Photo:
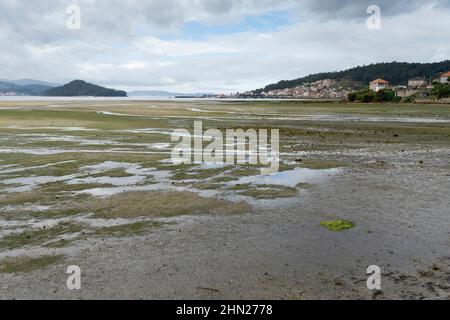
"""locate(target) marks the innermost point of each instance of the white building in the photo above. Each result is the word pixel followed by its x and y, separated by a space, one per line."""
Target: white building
pixel 416 82
pixel 379 84
pixel 444 77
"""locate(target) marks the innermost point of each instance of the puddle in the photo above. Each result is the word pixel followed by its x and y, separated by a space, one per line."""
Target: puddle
pixel 290 178
pixel 29 183
pixel 51 128
pixel 84 141
pixel 108 113
pixel 131 168
pixel 34 151
pixel 161 146
pixel 21 169
pixel 330 117
pixel 54 151
pixel 137 172
pixel 200 110
pixel 210 165
pixel 162 176
pixel 115 181
pixel 22 208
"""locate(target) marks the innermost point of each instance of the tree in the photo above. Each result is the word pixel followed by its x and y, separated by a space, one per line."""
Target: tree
pixel 385 95
pixel 368 96
pixel 440 90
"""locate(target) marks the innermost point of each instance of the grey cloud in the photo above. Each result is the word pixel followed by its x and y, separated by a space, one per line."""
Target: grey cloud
pixel 44 20
pixel 350 8
pixel 217 6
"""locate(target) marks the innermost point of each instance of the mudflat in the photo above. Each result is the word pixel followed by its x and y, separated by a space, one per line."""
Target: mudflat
pixel 90 183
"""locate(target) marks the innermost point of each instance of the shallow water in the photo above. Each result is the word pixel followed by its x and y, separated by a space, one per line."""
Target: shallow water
pixel 290 178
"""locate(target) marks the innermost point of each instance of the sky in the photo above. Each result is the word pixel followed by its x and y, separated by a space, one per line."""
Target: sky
pixel 220 46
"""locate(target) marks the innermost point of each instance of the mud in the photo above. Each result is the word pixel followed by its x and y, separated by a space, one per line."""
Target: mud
pixel 141 227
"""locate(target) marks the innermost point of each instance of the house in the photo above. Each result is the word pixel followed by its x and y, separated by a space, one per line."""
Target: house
pixel 379 84
pixel 444 77
pixel 416 82
pixel 403 92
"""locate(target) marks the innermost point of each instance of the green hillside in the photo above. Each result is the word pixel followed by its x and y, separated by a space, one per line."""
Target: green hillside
pixel 78 88
pixel 396 73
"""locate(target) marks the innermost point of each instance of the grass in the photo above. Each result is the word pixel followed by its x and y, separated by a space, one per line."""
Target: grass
pixel 305 186
pixel 320 164
pixel 27 264
pixel 119 231
pixel 118 173
pixel 162 204
pixel 270 193
pixel 207 186
pixel 126 230
pixel 57 187
pixel 338 225
pixel 197 174
pixel 66 233
pixel 38 237
pixel 239 187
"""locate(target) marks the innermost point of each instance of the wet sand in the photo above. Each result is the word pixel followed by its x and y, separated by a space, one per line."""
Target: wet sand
pixel 391 178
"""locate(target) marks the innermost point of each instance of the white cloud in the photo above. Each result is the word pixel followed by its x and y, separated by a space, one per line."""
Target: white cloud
pixel 176 48
pixel 135 44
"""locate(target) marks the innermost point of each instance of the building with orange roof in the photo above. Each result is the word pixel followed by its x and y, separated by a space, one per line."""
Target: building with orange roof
pixel 379 84
pixel 445 77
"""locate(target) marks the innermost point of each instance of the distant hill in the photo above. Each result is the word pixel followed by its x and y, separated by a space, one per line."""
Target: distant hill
pixel 8 87
pixel 397 73
pixel 157 93
pixel 26 82
pixel 152 93
pixel 78 88
pixel 22 90
pixel 34 89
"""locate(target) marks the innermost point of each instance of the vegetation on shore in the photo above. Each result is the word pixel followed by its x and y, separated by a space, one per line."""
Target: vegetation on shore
pixel 441 90
pixel 366 96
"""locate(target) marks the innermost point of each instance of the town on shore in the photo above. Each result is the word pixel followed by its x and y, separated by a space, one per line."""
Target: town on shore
pixel 417 88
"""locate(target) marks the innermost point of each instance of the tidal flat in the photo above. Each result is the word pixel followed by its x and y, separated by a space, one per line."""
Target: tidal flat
pixel 90 183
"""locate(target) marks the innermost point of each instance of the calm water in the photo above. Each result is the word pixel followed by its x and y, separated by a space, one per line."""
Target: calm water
pixel 35 98
pixel 136 98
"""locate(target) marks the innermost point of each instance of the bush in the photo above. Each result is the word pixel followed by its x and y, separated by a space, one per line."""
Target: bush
pixel 385 95
pixel 362 95
pixel 367 96
pixel 352 96
pixel 440 90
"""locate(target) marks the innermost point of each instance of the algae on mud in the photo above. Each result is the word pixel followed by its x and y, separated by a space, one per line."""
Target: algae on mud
pixel 338 225
pixel 28 264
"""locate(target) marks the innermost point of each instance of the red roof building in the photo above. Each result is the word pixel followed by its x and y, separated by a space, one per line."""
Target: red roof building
pixel 444 77
pixel 379 84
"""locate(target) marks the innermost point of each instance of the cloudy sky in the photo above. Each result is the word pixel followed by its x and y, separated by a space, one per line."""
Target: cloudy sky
pixel 217 46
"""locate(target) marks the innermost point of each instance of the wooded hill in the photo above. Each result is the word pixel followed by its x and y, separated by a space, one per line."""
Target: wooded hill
pixel 397 73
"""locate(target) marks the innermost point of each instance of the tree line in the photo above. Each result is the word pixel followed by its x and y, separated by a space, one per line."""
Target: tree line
pixel 397 73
